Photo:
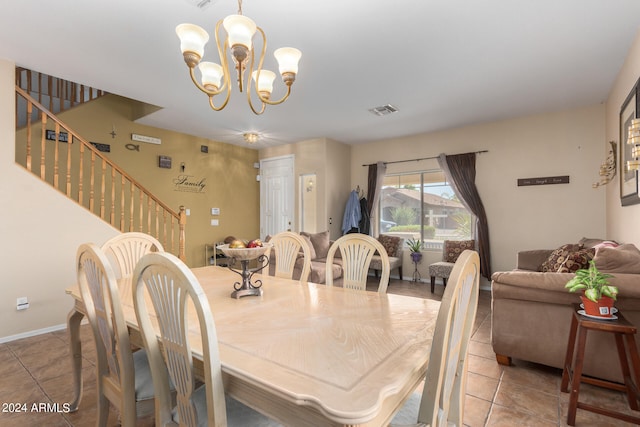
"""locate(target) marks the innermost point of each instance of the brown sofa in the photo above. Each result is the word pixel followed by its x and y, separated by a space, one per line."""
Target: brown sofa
pixel 531 311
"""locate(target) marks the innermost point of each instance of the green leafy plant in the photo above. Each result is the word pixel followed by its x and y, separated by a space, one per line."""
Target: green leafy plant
pixel 593 282
pixel 414 245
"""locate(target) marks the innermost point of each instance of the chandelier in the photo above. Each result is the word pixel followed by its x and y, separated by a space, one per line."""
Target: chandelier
pixel 215 78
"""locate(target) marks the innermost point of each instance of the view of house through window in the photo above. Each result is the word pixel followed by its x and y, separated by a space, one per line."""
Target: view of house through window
pixel 422 205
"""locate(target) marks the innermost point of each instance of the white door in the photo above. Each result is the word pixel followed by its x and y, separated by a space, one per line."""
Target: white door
pixel 276 195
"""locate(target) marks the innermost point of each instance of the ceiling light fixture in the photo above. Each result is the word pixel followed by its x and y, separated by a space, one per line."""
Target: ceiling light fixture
pixel 251 137
pixel 239 41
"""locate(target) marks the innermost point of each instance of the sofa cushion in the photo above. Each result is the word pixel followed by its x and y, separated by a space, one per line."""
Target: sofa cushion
pixel 320 243
pixel 621 259
pixel 391 244
pixel 453 249
pixel 590 242
pixel 558 256
pixel 577 260
pixel 312 250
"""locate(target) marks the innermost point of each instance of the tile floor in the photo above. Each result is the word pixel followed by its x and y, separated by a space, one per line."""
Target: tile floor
pixel 37 370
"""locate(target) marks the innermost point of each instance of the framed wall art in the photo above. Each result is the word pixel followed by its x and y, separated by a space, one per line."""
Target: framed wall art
pixel 628 178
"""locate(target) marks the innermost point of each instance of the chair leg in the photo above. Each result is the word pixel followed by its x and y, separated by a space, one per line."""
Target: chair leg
pixel 444 281
pixel 433 283
pixel 400 272
pixel 375 272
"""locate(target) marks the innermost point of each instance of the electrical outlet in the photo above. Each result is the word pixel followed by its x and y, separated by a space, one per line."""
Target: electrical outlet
pixel 22 303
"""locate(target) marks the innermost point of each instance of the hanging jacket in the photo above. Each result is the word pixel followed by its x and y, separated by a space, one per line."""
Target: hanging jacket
pixel 352 213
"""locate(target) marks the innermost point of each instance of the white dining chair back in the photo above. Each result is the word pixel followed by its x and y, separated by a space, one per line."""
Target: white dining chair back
pixel 442 400
pixel 123 377
pixel 287 247
pixel 125 250
pixel 356 251
pixel 178 299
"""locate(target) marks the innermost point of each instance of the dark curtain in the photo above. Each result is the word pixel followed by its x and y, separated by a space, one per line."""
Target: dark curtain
pixel 371 186
pixel 462 174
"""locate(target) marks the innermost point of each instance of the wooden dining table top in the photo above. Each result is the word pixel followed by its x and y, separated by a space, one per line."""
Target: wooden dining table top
pixel 308 354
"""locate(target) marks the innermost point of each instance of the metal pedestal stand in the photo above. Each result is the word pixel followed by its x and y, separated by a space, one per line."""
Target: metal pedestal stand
pixel 416 260
pixel 246 288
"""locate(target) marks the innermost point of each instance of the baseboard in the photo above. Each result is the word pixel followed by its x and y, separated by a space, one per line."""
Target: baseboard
pixel 33 333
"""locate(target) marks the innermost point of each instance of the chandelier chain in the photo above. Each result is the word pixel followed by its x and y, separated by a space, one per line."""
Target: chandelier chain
pixel 239 7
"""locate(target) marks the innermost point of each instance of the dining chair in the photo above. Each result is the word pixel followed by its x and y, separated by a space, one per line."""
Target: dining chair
pixel 125 250
pixel 442 399
pixel 287 246
pixel 356 251
pixel 174 291
pixel 123 376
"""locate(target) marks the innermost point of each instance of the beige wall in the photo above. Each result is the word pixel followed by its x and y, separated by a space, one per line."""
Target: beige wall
pixel 623 223
pixel 330 161
pixel 561 143
pixel 41 230
pixel 227 171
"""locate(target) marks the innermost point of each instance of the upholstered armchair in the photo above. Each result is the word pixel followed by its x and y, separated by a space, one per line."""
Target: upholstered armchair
pixel 393 246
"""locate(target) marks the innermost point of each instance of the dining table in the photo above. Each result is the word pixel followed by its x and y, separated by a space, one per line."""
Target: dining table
pixel 302 353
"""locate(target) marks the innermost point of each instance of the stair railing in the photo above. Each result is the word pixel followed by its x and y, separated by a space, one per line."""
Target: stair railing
pixel 59 156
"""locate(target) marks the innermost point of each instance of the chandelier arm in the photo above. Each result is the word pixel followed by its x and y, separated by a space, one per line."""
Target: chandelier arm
pixel 195 81
pixel 280 101
pixel 224 104
pixel 224 60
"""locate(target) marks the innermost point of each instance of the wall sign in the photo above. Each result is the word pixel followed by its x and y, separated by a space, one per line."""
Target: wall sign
pixel 164 162
pixel 51 136
pixel 189 184
pixel 144 138
pixel 564 179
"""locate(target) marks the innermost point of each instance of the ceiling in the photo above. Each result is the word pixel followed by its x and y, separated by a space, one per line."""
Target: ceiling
pixel 442 63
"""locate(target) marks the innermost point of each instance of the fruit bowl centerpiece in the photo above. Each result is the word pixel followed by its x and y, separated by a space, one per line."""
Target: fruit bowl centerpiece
pixel 246 252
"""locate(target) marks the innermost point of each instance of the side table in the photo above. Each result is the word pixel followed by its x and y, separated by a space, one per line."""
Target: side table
pixel 624 333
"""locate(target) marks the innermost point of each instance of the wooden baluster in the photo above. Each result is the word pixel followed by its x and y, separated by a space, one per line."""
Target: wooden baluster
pixel 182 215
pixel 56 156
pixel 92 180
pixel 141 207
pixel 80 176
pixel 149 216
pixel 29 112
pixel 43 123
pixel 60 95
pixel 74 90
pixel 157 227
pixel 164 228
pixel 69 143
pixel 112 219
pixel 132 197
pixel 102 190
pixel 122 203
pixel 50 90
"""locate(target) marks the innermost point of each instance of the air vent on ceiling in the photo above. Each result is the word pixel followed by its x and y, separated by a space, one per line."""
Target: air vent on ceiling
pixel 201 4
pixel 384 110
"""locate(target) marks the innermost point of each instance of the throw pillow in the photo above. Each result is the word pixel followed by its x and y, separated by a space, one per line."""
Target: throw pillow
pixel 320 242
pixel 577 260
pixel 390 244
pixel 590 242
pixel 312 251
pixel 558 256
pixel 622 259
pixel 453 248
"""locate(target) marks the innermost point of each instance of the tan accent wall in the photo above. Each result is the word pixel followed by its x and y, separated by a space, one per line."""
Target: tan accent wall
pixel 623 222
pixel 226 171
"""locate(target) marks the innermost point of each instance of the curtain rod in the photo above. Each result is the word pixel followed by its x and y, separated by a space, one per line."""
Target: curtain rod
pixel 424 158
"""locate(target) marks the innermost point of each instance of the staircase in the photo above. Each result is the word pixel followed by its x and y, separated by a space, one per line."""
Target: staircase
pixel 51 150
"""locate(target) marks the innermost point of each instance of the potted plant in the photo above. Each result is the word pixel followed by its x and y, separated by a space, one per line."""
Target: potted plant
pixel 415 246
pixel 597 295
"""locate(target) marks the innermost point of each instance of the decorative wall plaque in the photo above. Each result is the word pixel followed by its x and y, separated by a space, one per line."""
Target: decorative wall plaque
pixel 164 162
pixel 564 179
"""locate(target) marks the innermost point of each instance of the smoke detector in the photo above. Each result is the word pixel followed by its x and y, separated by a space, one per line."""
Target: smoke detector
pixel 384 110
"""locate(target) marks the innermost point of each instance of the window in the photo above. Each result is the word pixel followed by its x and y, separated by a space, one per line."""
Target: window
pixel 422 205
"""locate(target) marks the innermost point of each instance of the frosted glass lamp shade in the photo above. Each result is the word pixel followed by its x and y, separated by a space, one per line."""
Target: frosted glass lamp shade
pixel 265 84
pixel 240 30
pixel 211 74
pixel 287 58
pixel 192 38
